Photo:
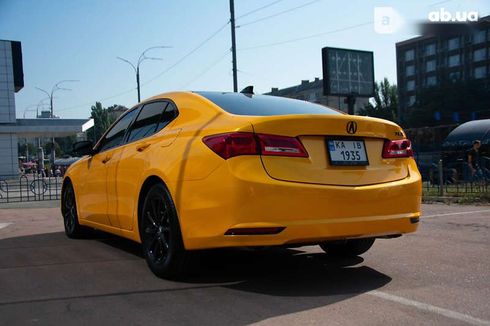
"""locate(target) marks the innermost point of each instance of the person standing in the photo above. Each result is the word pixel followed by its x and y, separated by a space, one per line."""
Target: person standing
pixel 474 159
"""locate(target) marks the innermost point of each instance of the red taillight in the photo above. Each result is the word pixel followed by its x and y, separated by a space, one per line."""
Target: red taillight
pixel 397 148
pixel 246 143
pixel 232 144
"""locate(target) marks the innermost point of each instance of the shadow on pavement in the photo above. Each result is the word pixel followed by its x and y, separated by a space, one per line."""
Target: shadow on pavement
pixel 286 272
pixel 273 271
pixel 110 277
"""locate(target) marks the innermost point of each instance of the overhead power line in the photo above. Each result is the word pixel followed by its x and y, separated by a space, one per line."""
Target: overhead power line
pixel 306 37
pixel 279 13
pixel 188 54
pixel 242 49
pixel 202 73
pixel 98 100
pixel 438 3
pixel 259 9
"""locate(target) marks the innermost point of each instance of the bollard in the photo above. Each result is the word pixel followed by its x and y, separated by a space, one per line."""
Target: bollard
pixel 441 179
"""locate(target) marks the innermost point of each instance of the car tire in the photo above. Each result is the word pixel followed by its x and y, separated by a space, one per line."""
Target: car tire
pixel 347 248
pixel 161 237
pixel 73 229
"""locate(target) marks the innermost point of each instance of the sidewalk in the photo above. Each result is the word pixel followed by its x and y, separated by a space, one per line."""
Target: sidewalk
pixel 31 204
pixel 24 219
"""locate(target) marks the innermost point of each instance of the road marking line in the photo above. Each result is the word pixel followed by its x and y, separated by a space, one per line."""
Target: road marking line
pixel 4 225
pixel 456 213
pixel 430 308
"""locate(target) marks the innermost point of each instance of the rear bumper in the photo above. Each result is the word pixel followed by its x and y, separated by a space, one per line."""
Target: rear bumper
pixel 240 195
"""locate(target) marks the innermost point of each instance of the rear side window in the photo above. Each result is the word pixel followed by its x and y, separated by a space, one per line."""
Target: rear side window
pixel 116 135
pixel 263 105
pixel 147 121
pixel 152 118
pixel 168 115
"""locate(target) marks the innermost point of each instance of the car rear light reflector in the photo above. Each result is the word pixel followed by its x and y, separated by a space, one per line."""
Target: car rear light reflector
pixel 281 146
pixel 397 148
pixel 246 143
pixel 254 231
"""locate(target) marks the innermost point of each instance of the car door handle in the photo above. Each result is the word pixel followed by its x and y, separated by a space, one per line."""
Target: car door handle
pixel 106 159
pixel 142 147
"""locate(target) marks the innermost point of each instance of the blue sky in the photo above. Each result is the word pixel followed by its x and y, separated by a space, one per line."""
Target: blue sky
pixel 80 40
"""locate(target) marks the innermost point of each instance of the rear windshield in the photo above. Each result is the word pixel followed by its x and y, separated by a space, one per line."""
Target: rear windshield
pixel 263 105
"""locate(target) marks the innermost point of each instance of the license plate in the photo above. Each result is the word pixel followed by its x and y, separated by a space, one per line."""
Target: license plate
pixel 347 152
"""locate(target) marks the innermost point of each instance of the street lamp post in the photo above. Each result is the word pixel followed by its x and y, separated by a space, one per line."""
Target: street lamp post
pixel 29 109
pixel 40 104
pixel 136 67
pixel 55 88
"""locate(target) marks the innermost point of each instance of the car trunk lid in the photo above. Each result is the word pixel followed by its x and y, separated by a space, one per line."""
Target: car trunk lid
pixel 317 133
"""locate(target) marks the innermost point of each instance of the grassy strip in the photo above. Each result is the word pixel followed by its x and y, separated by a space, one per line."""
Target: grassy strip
pixel 432 195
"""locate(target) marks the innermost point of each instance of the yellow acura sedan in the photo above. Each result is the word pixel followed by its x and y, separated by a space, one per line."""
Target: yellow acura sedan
pixel 193 170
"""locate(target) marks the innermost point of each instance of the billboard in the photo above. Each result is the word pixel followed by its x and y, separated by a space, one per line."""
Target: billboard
pixel 348 72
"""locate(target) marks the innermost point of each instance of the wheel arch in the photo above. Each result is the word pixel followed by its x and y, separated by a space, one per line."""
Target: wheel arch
pixel 149 182
pixel 66 181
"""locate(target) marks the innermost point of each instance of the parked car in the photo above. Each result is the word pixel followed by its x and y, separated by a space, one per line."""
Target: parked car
pixel 186 171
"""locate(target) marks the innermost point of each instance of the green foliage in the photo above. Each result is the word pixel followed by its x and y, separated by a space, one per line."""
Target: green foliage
pixel 49 145
pixel 385 101
pixel 66 144
pixel 102 121
pixel 22 149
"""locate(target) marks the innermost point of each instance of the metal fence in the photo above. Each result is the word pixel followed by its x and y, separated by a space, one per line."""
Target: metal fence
pixel 438 180
pixel 455 179
pixel 30 188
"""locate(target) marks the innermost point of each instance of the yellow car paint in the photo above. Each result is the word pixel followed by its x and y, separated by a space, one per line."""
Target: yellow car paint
pixel 313 200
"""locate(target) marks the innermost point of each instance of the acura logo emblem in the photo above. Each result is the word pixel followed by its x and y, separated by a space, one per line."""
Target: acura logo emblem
pixel 351 127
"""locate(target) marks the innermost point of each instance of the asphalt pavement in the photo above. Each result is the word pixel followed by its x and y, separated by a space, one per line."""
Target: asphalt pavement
pixel 438 275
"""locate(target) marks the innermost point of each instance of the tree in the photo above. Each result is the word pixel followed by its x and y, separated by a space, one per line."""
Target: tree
pixel 385 102
pixel 66 144
pixel 49 145
pixel 450 99
pixel 31 149
pixel 102 121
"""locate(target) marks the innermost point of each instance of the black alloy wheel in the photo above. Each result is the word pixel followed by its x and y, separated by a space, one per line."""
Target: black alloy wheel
pixel 69 211
pixel 160 234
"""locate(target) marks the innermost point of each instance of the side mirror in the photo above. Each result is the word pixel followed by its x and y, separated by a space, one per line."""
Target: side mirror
pixel 84 147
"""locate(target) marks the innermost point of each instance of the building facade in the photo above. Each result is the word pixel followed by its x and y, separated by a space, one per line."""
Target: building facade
pixel 425 61
pixel 11 128
pixel 313 92
pixel 11 81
